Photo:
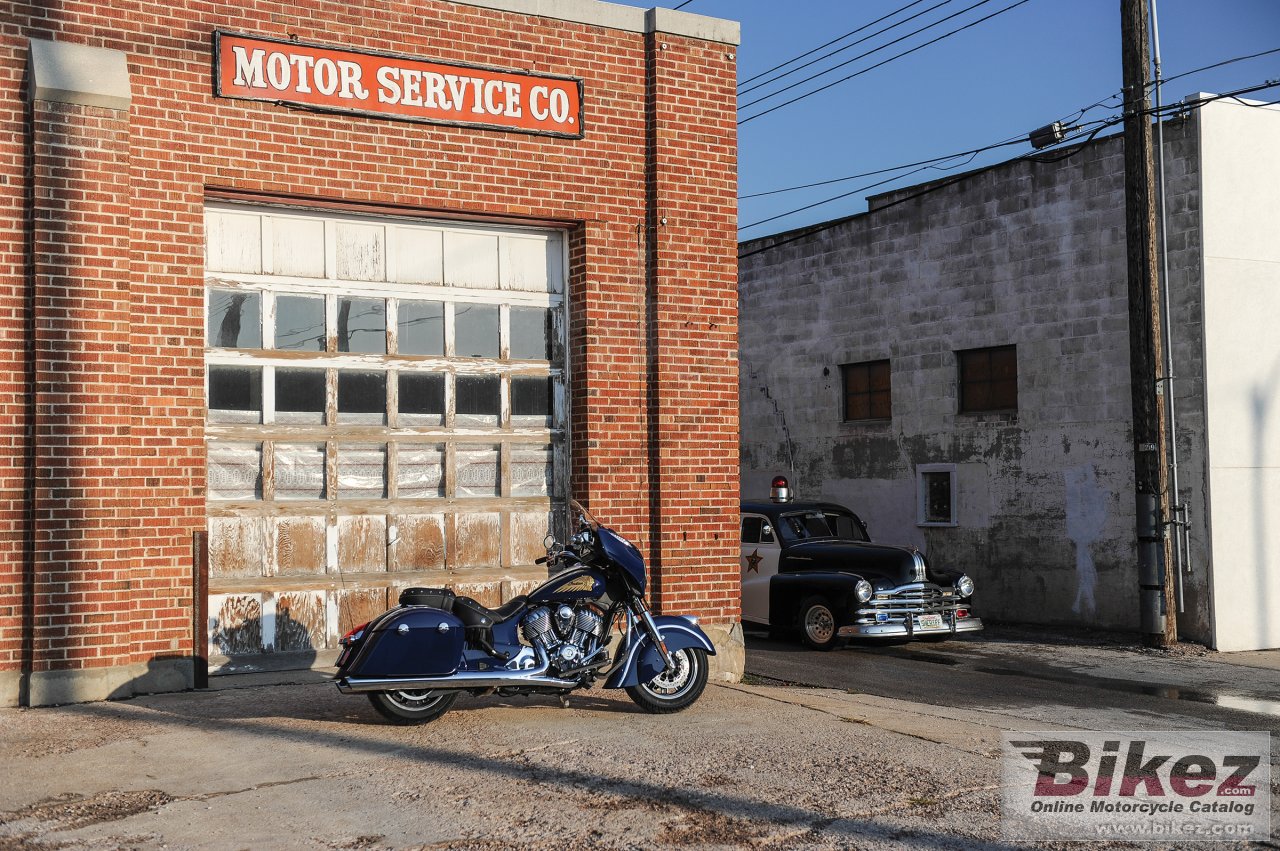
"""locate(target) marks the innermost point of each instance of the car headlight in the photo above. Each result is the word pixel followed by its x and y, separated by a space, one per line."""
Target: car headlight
pixel 964 585
pixel 863 590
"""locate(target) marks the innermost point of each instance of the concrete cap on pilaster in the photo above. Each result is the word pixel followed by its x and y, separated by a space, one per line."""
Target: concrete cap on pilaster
pixel 63 72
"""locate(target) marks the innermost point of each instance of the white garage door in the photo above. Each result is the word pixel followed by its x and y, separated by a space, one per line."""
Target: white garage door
pixel 386 407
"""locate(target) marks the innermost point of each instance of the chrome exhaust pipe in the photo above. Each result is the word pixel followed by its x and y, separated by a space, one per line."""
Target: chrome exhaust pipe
pixel 535 677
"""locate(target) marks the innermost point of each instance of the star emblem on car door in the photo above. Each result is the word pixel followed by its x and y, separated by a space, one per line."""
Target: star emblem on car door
pixel 753 561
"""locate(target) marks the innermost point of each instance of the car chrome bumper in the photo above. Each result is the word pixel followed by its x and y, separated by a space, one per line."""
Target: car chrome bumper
pixel 900 629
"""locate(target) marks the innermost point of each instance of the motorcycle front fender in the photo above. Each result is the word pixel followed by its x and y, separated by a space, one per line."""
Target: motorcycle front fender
pixel 642 661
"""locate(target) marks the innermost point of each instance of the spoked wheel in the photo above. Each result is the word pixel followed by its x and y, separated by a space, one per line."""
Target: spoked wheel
pixel 818 624
pixel 676 689
pixel 412 707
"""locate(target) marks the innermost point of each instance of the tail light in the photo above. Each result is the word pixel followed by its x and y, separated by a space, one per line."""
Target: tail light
pixel 962 613
pixel 354 635
pixel 781 491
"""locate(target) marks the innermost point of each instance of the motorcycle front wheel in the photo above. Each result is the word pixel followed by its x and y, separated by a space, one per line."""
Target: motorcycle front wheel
pixel 676 689
pixel 412 707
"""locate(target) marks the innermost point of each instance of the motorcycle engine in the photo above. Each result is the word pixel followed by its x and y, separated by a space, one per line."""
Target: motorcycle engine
pixel 570 635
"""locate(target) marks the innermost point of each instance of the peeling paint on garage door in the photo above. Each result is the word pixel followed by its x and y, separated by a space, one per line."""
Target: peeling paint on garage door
pixel 386 408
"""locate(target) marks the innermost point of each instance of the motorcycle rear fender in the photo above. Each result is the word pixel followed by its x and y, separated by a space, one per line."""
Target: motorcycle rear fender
pixel 642 661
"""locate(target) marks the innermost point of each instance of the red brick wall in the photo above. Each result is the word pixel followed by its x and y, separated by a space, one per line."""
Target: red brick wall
pixel 85 485
pixel 121 484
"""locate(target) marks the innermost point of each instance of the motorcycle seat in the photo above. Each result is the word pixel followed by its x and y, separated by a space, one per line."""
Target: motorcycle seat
pixel 472 613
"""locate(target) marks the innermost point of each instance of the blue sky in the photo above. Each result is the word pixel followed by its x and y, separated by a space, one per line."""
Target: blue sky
pixel 1000 79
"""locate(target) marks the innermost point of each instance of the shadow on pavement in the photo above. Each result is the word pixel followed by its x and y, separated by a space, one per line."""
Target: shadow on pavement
pixel 278 723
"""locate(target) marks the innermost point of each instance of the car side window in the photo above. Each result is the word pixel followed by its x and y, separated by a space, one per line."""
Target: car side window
pixel 756 530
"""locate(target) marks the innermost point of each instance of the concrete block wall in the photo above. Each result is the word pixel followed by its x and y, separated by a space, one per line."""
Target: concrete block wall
pixel 1029 254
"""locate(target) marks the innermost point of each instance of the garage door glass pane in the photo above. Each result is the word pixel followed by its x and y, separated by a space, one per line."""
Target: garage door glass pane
pixel 477 470
pixel 421 398
pixel 235 394
pixel 420 327
pixel 475 330
pixel 530 402
pixel 362 325
pixel 362 472
pixel 300 395
pixel 235 471
pixel 299 471
pixel 530 333
pixel 362 397
pixel 235 319
pixel 300 323
pixel 531 470
pixel 478 400
pixel 420 471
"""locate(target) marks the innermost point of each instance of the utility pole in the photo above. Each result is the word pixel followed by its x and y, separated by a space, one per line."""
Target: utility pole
pixel 1155 586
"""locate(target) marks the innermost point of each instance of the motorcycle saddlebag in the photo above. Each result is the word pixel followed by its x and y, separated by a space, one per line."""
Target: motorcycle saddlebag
pixel 440 598
pixel 410 642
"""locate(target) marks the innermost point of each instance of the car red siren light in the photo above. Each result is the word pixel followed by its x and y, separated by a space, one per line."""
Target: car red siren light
pixel 781 489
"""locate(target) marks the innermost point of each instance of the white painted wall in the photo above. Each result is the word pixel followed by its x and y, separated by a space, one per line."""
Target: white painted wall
pixel 1240 212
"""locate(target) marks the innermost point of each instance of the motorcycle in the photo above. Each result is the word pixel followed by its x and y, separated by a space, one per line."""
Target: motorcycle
pixel 414 660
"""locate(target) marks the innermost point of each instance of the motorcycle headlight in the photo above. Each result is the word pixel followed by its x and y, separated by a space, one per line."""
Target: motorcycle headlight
pixel 964 586
pixel 863 590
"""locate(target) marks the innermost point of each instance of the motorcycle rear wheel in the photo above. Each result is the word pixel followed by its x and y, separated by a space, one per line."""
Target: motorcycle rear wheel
pixel 674 690
pixel 412 707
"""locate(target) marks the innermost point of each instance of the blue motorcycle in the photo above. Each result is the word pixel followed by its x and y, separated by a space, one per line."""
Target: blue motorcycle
pixel 414 660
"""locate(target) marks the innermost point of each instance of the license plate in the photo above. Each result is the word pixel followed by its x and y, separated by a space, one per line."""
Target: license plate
pixel 929 621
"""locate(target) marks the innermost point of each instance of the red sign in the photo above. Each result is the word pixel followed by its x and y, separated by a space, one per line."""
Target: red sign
pixel 386 85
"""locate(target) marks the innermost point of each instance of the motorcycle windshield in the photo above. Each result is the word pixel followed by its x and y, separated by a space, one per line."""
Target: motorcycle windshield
pixel 624 554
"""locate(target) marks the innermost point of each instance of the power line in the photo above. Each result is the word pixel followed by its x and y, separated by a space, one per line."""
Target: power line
pixel 879 64
pixel 1074 116
pixel 1220 64
pixel 838 49
pixel 1013 140
pixel 1176 109
pixel 828 44
pixel 682 5
pixel 1016 141
pixel 811 77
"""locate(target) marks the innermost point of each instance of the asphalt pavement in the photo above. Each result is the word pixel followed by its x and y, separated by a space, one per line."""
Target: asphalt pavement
pixel 896 748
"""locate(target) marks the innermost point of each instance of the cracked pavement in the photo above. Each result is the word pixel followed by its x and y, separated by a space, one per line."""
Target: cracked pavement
pixel 296 765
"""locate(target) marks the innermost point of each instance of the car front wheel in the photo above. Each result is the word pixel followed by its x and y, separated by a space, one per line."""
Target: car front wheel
pixel 818 624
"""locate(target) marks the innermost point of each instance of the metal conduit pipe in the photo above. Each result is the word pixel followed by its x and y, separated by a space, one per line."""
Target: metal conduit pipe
pixel 1177 521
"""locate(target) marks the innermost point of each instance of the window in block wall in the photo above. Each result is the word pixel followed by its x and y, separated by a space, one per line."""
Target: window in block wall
pixel 936 495
pixel 867 392
pixel 988 379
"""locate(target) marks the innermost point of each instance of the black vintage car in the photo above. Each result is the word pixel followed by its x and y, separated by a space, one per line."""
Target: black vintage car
pixel 811 567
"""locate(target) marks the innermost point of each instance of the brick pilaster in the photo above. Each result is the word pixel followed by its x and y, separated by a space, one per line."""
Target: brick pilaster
pixel 85 472
pixel 692 325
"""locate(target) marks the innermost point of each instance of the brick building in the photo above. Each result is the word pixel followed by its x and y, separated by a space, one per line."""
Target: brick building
pixel 323 299
pixel 954 365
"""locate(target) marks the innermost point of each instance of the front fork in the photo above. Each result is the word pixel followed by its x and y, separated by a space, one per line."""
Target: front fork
pixel 640 609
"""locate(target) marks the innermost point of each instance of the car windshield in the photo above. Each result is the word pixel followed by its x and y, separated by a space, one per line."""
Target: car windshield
pixel 822 524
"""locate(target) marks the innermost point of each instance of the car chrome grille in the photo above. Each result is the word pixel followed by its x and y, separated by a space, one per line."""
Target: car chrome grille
pixel 917 599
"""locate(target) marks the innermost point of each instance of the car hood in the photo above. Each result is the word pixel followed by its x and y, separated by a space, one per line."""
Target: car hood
pixel 868 560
